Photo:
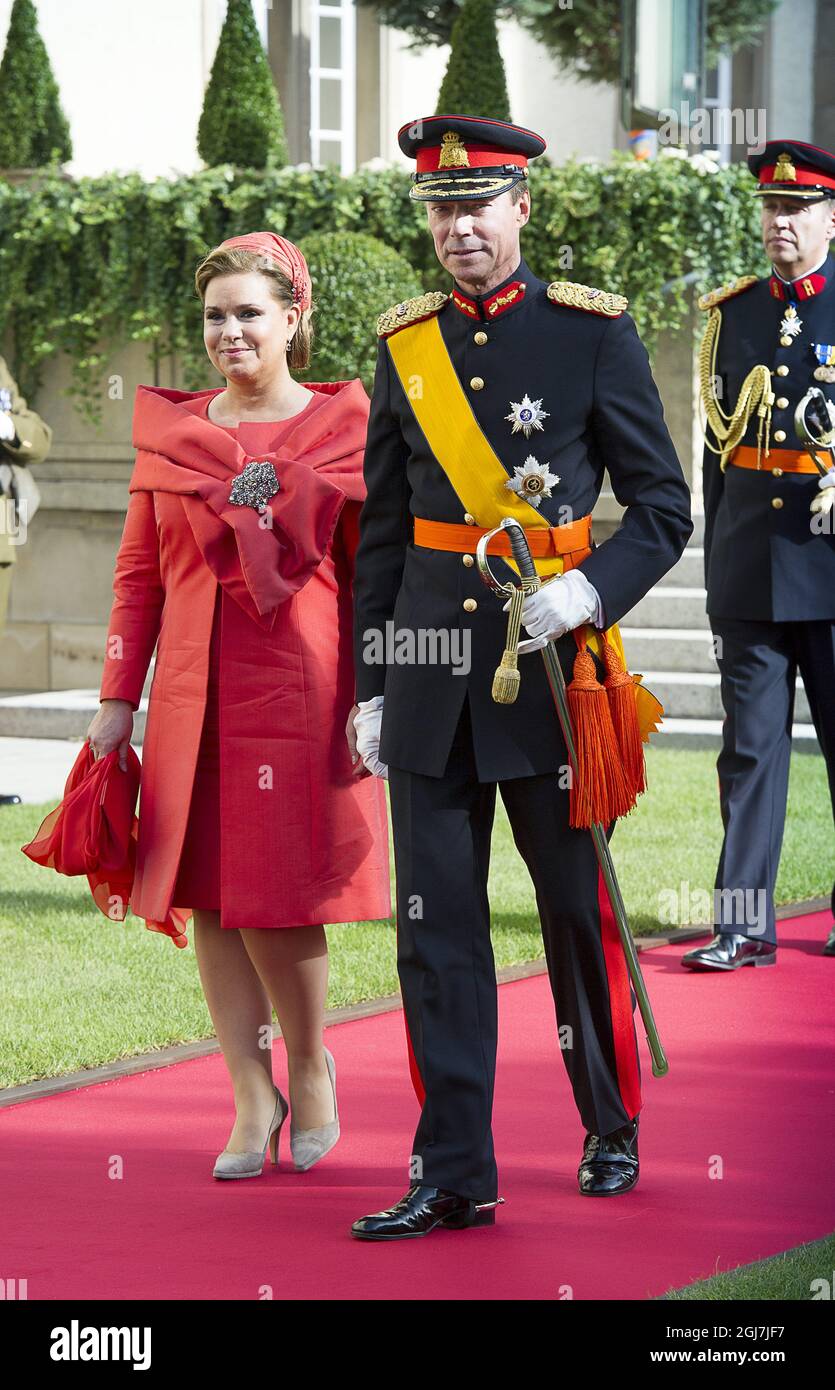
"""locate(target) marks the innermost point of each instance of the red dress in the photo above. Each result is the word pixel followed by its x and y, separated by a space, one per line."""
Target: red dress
pixel 303 840
pixel 198 878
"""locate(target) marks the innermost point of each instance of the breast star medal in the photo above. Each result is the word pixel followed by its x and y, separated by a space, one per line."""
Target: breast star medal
pixel 526 415
pixel 825 353
pixel 790 327
pixel 254 486
pixel 533 481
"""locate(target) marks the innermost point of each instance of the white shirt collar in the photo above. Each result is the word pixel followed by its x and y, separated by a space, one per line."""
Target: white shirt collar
pixel 813 271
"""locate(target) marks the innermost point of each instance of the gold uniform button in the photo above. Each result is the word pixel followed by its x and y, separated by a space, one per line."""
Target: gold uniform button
pixel 785 341
pixel 783 370
pixel 782 402
pixel 777 503
pixel 469 518
pixel 476 382
pixel 779 435
pixel 480 338
pixel 777 472
pixel 468 561
pixel 470 605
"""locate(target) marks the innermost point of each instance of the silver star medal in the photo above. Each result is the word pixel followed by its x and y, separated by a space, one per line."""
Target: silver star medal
pixel 526 415
pixel 254 486
pixel 533 481
pixel 791 324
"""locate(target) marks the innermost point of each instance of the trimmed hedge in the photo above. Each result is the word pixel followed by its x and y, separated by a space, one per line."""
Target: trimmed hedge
pixel 354 277
pixel 93 263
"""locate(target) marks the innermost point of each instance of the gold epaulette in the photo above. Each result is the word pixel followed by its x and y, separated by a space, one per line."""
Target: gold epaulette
pixel 586 297
pixel 410 311
pixel 714 297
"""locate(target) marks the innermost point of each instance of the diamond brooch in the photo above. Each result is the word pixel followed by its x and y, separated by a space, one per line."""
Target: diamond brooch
pixel 254 486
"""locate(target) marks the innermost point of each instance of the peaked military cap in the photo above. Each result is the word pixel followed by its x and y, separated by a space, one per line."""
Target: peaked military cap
pixel 466 157
pixel 792 169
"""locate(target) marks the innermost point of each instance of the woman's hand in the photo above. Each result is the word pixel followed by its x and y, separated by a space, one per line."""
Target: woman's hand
pixel 111 727
pixel 359 768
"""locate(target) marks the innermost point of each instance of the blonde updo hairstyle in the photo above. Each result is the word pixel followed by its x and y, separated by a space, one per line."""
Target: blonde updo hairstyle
pixel 238 260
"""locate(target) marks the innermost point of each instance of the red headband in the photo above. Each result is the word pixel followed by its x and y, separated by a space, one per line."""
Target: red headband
pixel 284 253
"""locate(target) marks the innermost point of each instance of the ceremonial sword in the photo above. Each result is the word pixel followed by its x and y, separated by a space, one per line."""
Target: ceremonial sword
pixel 530 582
pixel 814 423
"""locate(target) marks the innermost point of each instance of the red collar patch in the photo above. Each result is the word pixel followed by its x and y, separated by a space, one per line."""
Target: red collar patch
pixel 492 304
pixel 465 304
pixel 804 288
pixel 499 302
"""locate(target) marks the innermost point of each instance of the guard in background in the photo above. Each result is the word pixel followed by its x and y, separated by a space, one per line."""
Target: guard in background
pixel 507 392
pixel 24 438
pixel 769 556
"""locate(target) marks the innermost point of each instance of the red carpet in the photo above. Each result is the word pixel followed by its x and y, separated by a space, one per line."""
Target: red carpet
pixel 751 1084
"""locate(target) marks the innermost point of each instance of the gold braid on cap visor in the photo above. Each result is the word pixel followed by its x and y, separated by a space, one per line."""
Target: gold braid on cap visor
pixel 462 188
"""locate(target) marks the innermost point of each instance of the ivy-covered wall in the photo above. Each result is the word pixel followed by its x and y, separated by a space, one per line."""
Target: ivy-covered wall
pixel 90 264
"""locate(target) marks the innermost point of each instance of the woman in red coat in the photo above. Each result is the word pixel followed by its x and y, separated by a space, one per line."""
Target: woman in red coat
pixel 237 559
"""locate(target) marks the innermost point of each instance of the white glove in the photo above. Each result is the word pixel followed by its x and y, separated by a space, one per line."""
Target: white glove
pixel 827 479
pixel 367 723
pixel 563 603
pixel 824 501
pixel 7 426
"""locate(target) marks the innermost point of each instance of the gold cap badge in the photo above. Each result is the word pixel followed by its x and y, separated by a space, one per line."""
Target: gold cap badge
pixel 784 170
pixel 453 154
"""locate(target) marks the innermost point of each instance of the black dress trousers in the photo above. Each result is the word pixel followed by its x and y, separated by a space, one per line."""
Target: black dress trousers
pixel 758 664
pixel 442 830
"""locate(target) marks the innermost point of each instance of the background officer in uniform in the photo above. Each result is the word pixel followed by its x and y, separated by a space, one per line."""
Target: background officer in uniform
pixel 769 560
pixel 24 439
pixel 560 384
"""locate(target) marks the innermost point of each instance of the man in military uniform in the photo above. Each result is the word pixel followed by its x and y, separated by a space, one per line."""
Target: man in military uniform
pixel 24 438
pixel 769 557
pixel 506 392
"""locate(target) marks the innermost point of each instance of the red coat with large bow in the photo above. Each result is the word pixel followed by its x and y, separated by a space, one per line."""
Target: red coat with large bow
pixel 302 840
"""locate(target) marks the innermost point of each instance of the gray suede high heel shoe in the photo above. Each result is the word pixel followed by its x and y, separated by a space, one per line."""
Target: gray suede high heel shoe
pixel 309 1145
pixel 250 1164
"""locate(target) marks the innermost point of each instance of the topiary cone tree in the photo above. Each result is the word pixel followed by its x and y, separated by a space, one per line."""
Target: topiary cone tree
pixel 241 121
pixel 474 83
pixel 33 128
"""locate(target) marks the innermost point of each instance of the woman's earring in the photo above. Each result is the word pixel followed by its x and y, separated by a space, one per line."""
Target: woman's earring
pixel 287 345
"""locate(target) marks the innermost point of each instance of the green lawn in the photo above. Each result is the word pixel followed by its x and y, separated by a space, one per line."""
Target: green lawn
pixel 79 990
pixel 794 1277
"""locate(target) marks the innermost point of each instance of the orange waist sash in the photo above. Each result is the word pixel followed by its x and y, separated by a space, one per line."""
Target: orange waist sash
pixel 572 542
pixel 788 460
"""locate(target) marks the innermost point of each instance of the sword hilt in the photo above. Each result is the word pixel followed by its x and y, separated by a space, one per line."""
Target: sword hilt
pixel 519 546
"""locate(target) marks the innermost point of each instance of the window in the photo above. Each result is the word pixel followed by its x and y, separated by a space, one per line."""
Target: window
pixel 333 84
pixel 718 103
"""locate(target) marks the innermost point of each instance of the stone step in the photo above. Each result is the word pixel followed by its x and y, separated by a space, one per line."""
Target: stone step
pixel 34 719
pixel 668 649
pixel 707 733
pixel 670 606
pixel 696 695
pixel 690 570
pixel 57 714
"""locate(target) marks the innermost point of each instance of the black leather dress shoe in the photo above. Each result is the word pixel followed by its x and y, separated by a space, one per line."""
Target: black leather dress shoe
pixel 422 1210
pixel 728 951
pixel 829 948
pixel 610 1162
pixel 9 799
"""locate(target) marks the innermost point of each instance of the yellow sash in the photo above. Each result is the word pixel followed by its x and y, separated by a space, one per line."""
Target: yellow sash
pixel 454 435
pixel 461 449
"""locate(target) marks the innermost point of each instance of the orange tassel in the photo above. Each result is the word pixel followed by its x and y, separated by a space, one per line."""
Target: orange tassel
pixel 623 705
pixel 599 791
